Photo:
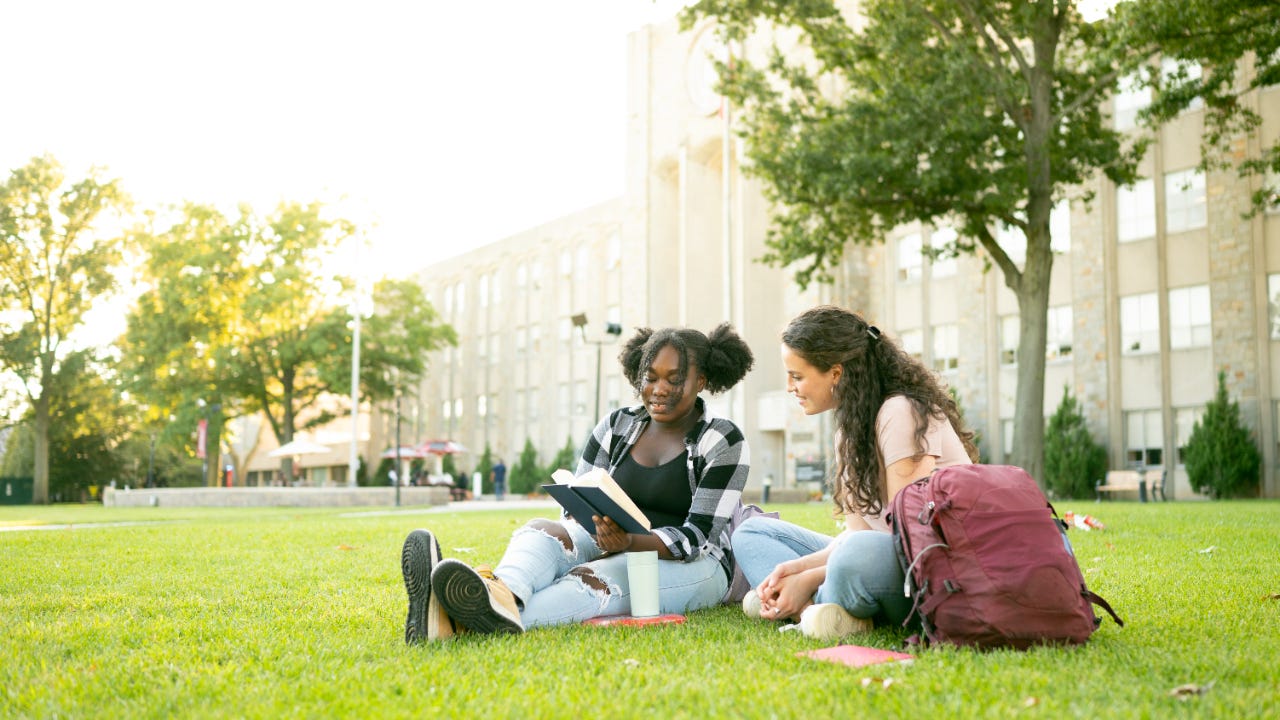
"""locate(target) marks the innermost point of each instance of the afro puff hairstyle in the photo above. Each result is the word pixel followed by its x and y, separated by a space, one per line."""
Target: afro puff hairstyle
pixel 722 357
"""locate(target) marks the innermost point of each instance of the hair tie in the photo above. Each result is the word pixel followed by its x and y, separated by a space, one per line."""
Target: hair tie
pixel 874 332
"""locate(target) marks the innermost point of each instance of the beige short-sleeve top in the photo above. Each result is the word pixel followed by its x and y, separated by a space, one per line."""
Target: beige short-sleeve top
pixel 896 434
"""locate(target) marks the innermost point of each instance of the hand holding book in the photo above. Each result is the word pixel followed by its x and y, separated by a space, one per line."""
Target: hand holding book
pixel 595 493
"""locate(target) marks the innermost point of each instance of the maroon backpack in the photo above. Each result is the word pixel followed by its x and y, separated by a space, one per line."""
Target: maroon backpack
pixel 988 563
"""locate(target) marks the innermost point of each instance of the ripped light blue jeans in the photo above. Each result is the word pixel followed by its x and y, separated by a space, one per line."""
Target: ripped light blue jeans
pixel 863 574
pixel 558 585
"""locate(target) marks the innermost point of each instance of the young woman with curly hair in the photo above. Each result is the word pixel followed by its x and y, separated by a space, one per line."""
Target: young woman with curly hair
pixel 894 424
pixel 683 466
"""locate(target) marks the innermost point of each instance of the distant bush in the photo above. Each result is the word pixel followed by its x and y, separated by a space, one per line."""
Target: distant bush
pixel 1072 460
pixel 526 475
pixel 566 458
pixel 1221 458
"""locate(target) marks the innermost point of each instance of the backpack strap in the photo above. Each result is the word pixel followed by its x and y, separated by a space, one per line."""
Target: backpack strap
pixel 1096 599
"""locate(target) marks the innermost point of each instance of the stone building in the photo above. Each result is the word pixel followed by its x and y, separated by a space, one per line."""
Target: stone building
pixel 1156 289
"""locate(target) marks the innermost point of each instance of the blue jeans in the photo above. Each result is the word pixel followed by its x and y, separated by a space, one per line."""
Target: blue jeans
pixel 558 585
pixel 863 575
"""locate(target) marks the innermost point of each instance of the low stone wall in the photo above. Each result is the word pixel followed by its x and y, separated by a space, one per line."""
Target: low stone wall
pixel 778 495
pixel 274 497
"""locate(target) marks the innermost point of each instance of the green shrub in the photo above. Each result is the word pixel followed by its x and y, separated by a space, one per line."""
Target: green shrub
pixel 1072 460
pixel 526 475
pixel 566 458
pixel 483 466
pixel 1221 458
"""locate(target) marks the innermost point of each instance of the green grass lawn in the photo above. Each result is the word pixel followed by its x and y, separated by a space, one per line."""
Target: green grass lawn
pixel 300 613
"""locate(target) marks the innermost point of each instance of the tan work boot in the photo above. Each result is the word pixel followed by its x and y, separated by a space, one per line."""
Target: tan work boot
pixel 475 598
pixel 829 621
pixel 427 619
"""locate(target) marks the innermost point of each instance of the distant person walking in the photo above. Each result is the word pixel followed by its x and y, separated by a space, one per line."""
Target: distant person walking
pixel 498 474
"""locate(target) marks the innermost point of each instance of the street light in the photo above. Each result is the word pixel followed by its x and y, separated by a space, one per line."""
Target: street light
pixel 612 331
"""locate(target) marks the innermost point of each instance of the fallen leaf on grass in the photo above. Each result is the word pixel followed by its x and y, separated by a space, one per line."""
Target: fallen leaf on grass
pixel 464 550
pixel 1183 692
pixel 1272 596
pixel 1209 550
pixel 345 547
pixel 631 662
pixel 884 683
pixel 1031 702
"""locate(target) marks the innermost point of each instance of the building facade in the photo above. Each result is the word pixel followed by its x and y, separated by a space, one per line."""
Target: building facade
pixel 1156 288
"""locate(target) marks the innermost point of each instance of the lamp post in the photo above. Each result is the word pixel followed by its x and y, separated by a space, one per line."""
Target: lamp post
pixel 612 331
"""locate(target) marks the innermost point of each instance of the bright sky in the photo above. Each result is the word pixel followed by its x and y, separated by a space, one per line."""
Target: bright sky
pixel 450 125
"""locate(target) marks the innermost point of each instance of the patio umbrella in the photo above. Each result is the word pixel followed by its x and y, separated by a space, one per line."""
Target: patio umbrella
pixel 440 447
pixel 299 447
pixel 405 452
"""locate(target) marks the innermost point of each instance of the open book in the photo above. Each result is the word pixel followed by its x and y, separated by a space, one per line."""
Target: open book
pixel 596 494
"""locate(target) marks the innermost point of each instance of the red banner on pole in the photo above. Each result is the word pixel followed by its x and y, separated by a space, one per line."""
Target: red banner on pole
pixel 202 431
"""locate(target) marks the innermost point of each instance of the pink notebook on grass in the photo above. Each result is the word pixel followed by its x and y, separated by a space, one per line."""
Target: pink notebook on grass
pixel 856 655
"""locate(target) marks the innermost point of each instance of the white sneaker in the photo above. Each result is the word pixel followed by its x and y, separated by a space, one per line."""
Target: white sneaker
pixel 828 621
pixel 751 605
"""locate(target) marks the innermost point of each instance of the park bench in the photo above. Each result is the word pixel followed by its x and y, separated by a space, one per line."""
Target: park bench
pixel 1140 481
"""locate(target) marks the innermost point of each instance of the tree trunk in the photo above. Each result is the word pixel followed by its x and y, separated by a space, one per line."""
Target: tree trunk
pixel 40 484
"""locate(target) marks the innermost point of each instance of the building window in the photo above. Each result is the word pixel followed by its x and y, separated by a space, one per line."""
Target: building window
pixel 910 259
pixel 535 338
pixel 495 349
pixel 1013 241
pixel 484 290
pixel 522 337
pixel 532 401
pixel 1136 211
pixel 612 393
pixel 564 331
pixel 940 239
pixel 584 254
pixel 482 348
pixel 1058 333
pixel 580 398
pixel 613 314
pixel 946 348
pixel 614 250
pixel 460 297
pixel 1144 438
pixel 1130 97
pixel 535 275
pixel 1273 304
pixel 457 408
pixel 913 343
pixel 1184 198
pixel 495 288
pixel 566 263
pixel 446 409
pixel 1010 334
pixel 522 276
pixel 1006 437
pixel 563 400
pixel 1182 71
pixel 1060 227
pixel 1139 324
pixel 492 417
pixel 482 406
pixel 1189 317
pixel 448 300
pixel 1184 421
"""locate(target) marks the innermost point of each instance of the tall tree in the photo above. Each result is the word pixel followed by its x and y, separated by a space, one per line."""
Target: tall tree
pixel 247 315
pixel 970 113
pixel 57 258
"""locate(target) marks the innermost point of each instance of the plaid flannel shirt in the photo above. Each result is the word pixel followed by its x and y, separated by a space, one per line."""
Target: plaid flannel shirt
pixel 718 462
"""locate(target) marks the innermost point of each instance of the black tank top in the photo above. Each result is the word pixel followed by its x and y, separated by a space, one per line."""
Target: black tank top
pixel 662 493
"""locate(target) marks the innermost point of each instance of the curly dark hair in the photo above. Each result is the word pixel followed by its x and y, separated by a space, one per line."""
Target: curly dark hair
pixel 875 367
pixel 722 357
